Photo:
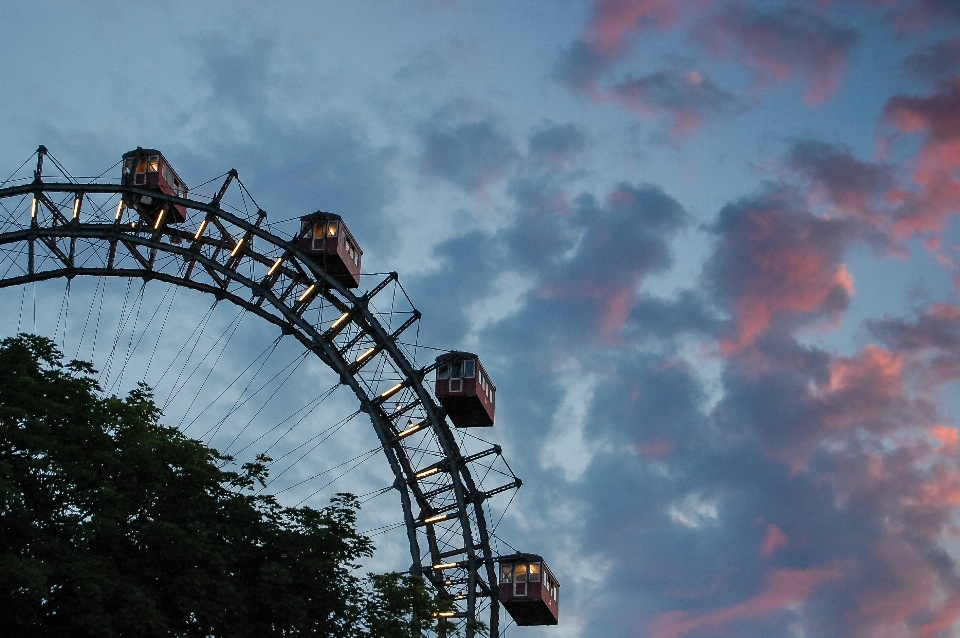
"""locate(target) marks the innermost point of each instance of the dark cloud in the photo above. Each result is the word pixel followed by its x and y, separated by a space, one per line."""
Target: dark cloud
pixel 777 266
pixel 579 67
pixel 667 318
pixel 932 340
pixel 616 20
pixel 789 43
pixel 916 15
pixel 935 192
pixel 322 162
pixel 557 144
pixel 469 154
pixel 237 72
pixel 937 62
pixel 685 98
pixel 854 188
pixel 585 259
pixel 847 181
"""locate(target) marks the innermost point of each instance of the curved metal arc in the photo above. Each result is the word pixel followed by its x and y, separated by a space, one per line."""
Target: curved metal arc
pixel 465 490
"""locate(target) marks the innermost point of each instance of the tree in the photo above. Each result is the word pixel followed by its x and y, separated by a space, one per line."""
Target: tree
pixel 112 524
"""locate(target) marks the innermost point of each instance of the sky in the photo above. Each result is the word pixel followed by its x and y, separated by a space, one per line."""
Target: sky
pixel 706 249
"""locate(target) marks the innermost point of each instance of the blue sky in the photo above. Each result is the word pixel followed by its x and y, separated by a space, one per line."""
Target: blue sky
pixel 706 249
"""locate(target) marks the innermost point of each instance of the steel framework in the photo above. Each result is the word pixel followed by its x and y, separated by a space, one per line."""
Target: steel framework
pixel 69 229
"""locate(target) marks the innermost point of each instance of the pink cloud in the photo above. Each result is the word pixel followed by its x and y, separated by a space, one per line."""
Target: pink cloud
pixel 775 539
pixel 937 185
pixel 851 188
pixel 904 589
pixel 615 313
pixel 862 393
pixel 783 587
pixel 684 99
pixel 615 21
pixel 784 45
pixel 861 388
pixel 947 436
pixel 947 617
pixel 917 15
pixel 788 267
pixel 658 448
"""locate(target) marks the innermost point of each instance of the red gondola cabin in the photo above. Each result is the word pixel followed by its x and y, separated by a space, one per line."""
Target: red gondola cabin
pixel 464 390
pixel 327 240
pixel 528 590
pixel 146 168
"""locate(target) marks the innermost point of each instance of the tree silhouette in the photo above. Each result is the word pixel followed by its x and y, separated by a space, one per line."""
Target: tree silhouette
pixel 112 524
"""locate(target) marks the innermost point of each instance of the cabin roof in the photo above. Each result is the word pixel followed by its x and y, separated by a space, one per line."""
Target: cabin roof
pixel 321 215
pixel 453 354
pixel 142 151
pixel 520 557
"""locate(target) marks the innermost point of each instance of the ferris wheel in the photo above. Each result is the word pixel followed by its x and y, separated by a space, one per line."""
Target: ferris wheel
pixel 148 227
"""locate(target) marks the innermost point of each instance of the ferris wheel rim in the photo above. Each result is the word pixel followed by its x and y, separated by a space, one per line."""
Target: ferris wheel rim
pixel 469 498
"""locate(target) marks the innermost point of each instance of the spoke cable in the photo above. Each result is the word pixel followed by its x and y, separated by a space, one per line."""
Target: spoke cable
pixel 364 458
pixel 194 334
pixel 175 389
pixel 237 404
pixel 13 174
pixel 271 348
pixel 329 469
pixel 133 333
pixel 121 326
pixel 312 406
pixel 330 431
pixel 163 326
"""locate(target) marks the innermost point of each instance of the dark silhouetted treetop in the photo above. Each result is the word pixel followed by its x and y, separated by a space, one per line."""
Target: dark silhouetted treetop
pixel 112 524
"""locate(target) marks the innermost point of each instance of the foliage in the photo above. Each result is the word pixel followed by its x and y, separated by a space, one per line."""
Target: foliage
pixel 112 524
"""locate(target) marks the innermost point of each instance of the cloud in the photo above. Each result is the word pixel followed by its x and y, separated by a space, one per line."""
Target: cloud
pixel 557 145
pixel 686 99
pixel 917 15
pixel 783 587
pixel 935 193
pixel 614 20
pixel 853 187
pixel 931 341
pixel 617 243
pixel 580 66
pixel 612 25
pixel 238 73
pixel 468 154
pixel 787 44
pixel 937 62
pixel 777 266
pixel 773 540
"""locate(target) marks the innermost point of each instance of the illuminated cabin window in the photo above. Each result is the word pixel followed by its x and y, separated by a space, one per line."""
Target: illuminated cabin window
pixel 142 166
pixel 318 230
pixel 520 573
pixel 154 164
pixel 523 573
pixel 332 229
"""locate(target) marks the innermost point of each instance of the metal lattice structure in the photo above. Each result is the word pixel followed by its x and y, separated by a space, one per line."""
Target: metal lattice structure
pixel 54 229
